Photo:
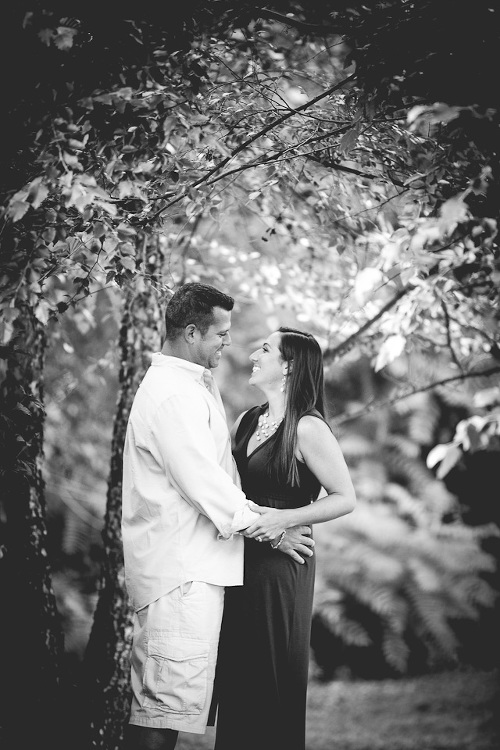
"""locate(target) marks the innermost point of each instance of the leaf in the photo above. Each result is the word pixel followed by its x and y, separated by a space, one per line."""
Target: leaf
pixel 126 188
pixel 437 454
pixel 392 347
pixel 98 229
pixel 193 208
pixel 7 318
pixel 87 102
pixel 77 145
pixel 16 209
pixel 38 192
pixel 473 437
pixel 421 116
pixel 125 232
pixel 485 398
pixel 71 160
pixel 64 37
pixel 45 35
pixel 126 248
pixel 454 211
pixel 452 457
pixel 42 311
pixel 49 234
pixel 110 244
pixel 366 282
pixel 128 263
pixel 348 141
pixel 23 409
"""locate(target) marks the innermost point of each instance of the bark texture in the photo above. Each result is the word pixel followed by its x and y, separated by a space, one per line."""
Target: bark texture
pixel 106 664
pixel 30 628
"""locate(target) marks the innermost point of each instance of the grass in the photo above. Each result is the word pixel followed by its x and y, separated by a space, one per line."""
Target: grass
pixel 447 711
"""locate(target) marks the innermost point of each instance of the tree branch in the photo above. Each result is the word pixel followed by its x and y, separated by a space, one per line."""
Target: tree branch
pixel 275 159
pixel 449 336
pixel 251 140
pixel 306 28
pixel 405 393
pixel 337 351
pixel 333 165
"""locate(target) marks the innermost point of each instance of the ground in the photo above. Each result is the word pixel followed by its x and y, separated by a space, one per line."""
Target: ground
pixel 448 711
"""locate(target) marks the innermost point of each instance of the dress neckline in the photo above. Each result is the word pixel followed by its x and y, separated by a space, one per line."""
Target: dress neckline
pixel 261 410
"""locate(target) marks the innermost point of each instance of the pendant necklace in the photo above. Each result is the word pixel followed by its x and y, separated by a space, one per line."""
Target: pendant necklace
pixel 266 429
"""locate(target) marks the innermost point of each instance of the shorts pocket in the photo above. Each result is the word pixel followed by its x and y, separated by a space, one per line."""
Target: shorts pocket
pixel 175 674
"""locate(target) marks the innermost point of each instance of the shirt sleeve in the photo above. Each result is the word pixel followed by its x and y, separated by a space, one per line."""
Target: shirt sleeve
pixel 186 446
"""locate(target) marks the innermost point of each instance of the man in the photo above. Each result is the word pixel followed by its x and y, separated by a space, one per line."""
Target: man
pixel 182 509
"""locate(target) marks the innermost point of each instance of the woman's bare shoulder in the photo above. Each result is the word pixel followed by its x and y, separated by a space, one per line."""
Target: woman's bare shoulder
pixel 311 425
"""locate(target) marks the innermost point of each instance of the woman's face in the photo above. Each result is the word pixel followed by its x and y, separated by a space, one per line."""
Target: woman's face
pixel 267 362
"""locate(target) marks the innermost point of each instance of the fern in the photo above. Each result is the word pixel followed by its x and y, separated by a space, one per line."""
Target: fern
pixel 395 650
pixel 404 565
pixel 422 416
pixel 352 632
pixel 414 575
pixel 431 622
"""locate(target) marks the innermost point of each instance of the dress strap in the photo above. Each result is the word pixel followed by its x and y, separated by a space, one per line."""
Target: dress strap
pixel 246 421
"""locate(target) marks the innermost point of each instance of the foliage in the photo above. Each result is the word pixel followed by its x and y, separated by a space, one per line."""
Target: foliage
pixel 81 380
pixel 269 120
pixel 403 583
pixel 480 432
pixel 392 582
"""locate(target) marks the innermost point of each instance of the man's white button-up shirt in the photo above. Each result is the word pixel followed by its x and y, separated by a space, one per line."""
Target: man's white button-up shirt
pixel 181 490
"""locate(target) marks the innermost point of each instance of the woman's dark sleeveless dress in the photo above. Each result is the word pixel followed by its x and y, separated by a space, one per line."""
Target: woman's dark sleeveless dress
pixel 263 659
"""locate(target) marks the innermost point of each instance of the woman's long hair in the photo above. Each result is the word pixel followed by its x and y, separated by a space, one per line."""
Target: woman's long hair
pixel 304 394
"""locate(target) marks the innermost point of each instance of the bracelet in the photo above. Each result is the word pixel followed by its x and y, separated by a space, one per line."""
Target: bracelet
pixel 282 536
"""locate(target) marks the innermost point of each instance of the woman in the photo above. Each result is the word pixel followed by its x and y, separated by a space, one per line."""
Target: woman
pixel 285 453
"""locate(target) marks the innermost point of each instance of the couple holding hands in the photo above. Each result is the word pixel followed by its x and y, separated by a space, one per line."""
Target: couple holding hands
pixel 218 550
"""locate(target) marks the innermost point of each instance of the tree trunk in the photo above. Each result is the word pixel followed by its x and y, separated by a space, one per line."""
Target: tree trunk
pixel 106 664
pixel 30 629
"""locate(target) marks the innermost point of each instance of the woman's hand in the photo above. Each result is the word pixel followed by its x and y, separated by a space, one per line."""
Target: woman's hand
pixel 270 524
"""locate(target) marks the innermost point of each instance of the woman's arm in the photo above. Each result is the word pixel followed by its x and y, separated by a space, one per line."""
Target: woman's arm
pixel 298 543
pixel 320 451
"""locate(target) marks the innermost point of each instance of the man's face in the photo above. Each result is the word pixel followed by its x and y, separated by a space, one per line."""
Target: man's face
pixel 208 347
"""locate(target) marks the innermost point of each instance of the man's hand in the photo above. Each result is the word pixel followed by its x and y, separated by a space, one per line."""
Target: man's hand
pixel 297 543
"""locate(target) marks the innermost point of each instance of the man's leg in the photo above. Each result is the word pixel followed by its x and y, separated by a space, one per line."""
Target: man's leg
pixel 146 738
pixel 173 659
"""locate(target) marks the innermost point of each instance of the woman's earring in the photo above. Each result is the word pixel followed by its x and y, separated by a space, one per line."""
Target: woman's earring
pixel 283 382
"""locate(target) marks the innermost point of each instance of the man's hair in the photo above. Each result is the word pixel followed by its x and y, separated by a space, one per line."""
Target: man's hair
pixel 194 303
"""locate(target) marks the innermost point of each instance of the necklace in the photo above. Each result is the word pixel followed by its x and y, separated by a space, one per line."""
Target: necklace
pixel 264 429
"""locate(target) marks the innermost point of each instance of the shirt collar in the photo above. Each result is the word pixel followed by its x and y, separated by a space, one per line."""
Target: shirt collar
pixel 191 368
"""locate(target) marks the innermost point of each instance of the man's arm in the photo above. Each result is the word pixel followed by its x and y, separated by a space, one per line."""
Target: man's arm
pixel 186 449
